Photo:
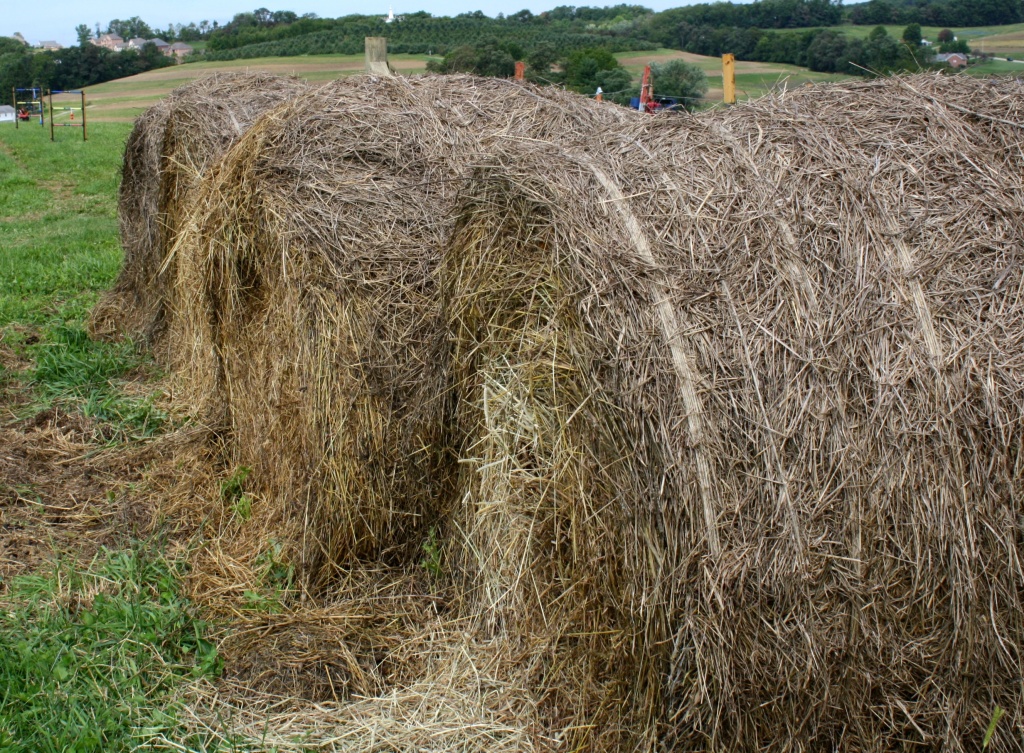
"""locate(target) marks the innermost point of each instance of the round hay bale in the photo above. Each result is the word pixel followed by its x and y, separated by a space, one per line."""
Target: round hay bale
pixel 307 311
pixel 740 399
pixel 169 149
pixel 129 307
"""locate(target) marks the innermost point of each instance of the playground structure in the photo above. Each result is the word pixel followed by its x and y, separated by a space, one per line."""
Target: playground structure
pixel 68 110
pixel 27 100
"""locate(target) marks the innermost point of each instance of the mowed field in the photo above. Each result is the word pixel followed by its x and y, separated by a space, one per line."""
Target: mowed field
pixel 123 100
pixel 752 79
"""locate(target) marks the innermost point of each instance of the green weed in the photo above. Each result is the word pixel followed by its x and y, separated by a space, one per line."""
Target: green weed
pixel 997 714
pixel 72 369
pixel 232 488
pixel 276 579
pixel 431 561
pixel 88 660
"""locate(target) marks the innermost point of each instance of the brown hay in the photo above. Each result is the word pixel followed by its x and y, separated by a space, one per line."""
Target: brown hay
pixel 309 316
pixel 169 149
pixel 745 389
pixel 715 421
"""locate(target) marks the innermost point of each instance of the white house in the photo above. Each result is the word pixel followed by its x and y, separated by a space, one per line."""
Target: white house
pixel 6 114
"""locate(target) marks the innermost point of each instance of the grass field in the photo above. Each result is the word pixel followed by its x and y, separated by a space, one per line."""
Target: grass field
pixel 123 100
pixel 94 636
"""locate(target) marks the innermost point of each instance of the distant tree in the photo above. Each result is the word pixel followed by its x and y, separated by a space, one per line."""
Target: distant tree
pixel 960 45
pixel 677 78
pixel 130 29
pixel 488 59
pixel 83 34
pixel 827 52
pixel 945 35
pixel 10 45
pixel 283 17
pixel 875 12
pixel 585 70
pixel 884 53
pixel 541 59
pixel 912 35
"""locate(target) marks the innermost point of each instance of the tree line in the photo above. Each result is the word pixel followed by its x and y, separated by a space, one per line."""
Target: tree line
pixel 421 33
pixel 931 13
pixel 777 31
pixel 72 67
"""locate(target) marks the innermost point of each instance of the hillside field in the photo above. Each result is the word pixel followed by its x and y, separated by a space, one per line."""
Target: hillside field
pixel 123 100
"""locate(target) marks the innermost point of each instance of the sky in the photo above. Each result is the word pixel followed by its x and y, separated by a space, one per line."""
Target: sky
pixel 56 19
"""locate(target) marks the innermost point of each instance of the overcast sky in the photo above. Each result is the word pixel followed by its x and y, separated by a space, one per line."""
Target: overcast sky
pixel 57 19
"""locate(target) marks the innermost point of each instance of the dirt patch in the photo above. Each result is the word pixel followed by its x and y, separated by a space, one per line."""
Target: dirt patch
pixel 61 492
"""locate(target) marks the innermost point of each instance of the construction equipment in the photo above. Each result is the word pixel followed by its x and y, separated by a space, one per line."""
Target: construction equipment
pixel 648 103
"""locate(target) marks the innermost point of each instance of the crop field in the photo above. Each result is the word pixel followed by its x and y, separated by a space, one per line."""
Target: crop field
pixel 999 40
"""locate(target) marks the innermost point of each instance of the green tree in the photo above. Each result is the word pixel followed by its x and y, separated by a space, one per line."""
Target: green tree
pixel 677 78
pixel 959 45
pixel 84 35
pixel 885 54
pixel 912 35
pixel 488 59
pixel 130 29
pixel 583 70
pixel 946 35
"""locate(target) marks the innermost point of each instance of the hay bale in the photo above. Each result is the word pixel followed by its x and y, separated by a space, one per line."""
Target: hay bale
pixel 741 392
pixel 129 307
pixel 309 316
pixel 169 149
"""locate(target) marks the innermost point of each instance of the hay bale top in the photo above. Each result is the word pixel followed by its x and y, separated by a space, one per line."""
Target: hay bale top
pixel 170 147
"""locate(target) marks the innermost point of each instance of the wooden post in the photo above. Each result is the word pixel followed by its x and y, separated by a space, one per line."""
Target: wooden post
pixel 729 78
pixel 377 57
pixel 83 116
pixel 520 70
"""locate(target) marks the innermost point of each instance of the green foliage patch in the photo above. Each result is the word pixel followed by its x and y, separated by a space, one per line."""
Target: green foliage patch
pixel 89 660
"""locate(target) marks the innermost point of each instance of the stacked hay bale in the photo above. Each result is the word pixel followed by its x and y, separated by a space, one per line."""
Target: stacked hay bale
pixel 750 382
pixel 168 151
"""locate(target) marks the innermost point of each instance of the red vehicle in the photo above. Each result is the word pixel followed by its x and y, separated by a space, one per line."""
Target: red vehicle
pixel 23 114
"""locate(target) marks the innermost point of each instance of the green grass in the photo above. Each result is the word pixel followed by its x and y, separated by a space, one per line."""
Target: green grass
pixel 90 654
pixel 58 221
pixel 89 659
pixel 994 68
pixel 60 250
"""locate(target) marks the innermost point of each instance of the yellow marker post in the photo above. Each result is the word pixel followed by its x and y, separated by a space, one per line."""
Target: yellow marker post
pixel 729 78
